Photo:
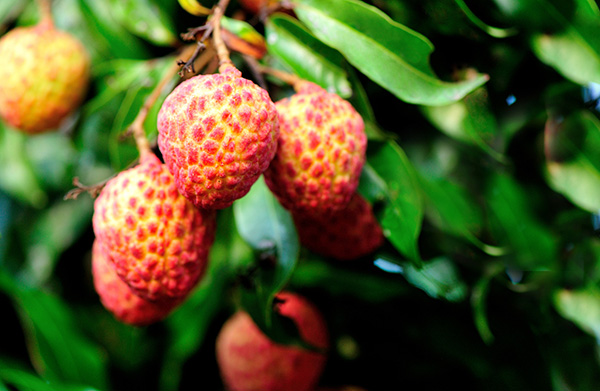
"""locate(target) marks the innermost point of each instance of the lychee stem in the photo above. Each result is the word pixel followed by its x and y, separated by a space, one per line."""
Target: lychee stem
pixel 286 77
pixel 45 9
pixel 222 51
pixel 137 126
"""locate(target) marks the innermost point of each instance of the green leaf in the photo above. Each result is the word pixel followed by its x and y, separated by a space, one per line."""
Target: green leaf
pixel 110 37
pixel 17 176
pixel 308 57
pixel 390 54
pixel 493 31
pixel 573 158
pixel 402 213
pixel 450 208
pixel 438 278
pixel 56 228
pixel 269 229
pixel 9 10
pixel 573 52
pixel 530 244
pixel 146 19
pixel 581 307
pixel 189 324
pixel 59 349
pixel 469 120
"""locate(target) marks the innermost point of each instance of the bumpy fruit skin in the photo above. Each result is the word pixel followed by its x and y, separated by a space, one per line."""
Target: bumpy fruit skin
pixel 157 240
pixel 249 361
pixel 321 151
pixel 217 133
pixel 348 234
pixel 44 76
pixel 118 298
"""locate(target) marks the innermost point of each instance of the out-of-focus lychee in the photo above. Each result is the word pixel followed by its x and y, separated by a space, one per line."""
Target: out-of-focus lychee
pixel 249 361
pixel 45 74
pixel 118 298
pixel 321 151
pixel 217 133
pixel 157 240
pixel 347 234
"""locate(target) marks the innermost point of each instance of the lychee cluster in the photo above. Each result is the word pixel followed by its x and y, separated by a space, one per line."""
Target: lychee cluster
pixel 44 73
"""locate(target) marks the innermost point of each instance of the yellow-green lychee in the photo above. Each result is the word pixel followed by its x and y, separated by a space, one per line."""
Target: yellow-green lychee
pixel 321 151
pixel 217 133
pixel 44 75
pixel 158 241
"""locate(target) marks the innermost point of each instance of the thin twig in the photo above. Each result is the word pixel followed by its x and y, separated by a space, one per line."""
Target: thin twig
pixel 286 77
pixel 80 188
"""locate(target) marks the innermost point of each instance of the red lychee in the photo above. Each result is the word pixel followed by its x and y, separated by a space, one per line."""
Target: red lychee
pixel 119 299
pixel 157 240
pixel 44 73
pixel 321 151
pixel 217 133
pixel 249 361
pixel 345 235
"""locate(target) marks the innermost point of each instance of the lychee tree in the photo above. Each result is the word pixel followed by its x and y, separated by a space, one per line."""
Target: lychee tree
pixel 425 174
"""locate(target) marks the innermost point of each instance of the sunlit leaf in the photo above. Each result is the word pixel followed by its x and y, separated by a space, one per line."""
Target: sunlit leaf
pixel 389 53
pixel 582 307
pixel 573 158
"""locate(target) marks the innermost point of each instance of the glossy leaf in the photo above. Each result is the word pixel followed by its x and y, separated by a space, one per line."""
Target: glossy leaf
pixel 530 245
pixel 189 324
pixel 9 10
pixel 438 278
pixel 573 159
pixel 309 58
pixel 402 213
pixel 390 54
pixel 269 229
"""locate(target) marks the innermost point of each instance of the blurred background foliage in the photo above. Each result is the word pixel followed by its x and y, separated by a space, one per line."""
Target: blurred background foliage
pixel 483 169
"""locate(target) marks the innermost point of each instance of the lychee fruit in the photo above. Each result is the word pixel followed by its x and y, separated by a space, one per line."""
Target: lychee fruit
pixel 321 151
pixel 348 234
pixel 217 133
pixel 256 6
pixel 119 299
pixel 249 361
pixel 45 74
pixel 158 241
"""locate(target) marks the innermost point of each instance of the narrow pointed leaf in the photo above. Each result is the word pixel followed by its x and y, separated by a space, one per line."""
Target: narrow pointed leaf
pixel 390 54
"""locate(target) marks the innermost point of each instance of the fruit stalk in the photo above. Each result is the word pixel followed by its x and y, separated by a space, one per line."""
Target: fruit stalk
pixel 222 51
pixel 286 77
pixel 45 13
pixel 137 126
